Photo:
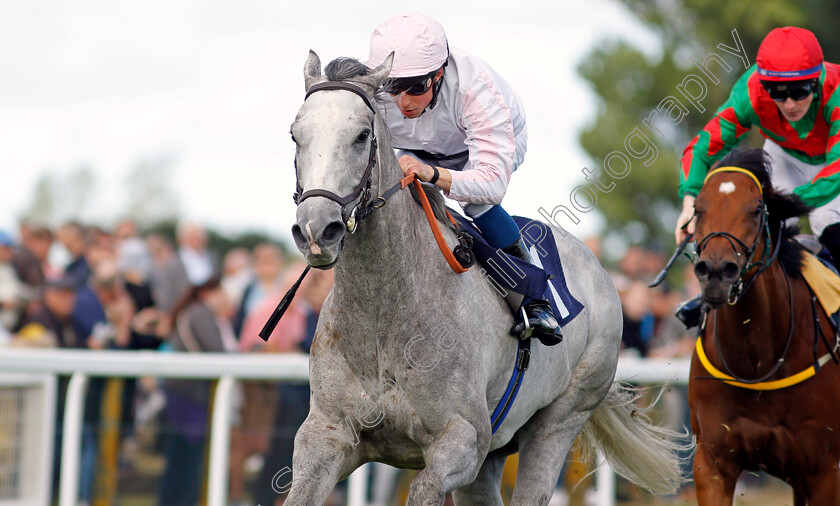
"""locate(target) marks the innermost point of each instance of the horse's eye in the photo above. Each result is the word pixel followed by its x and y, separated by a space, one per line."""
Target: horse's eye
pixel 363 137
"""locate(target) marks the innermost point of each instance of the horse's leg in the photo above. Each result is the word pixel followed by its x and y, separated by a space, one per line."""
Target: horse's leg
pixel 544 446
pixel 485 488
pixel 452 460
pixel 320 459
pixel 713 485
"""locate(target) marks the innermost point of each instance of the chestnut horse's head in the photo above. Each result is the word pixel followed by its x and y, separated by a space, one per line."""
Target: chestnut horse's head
pixel 739 217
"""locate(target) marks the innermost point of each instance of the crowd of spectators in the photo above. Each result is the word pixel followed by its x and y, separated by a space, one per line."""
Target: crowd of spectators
pixel 85 287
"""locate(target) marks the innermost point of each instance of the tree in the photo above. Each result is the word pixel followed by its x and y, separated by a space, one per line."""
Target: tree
pixel 631 85
pixel 57 199
pixel 150 196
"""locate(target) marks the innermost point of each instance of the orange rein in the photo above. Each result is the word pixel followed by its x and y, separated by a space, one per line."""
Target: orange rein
pixel 433 224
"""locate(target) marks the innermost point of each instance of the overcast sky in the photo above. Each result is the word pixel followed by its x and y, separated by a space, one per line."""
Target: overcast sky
pixel 216 85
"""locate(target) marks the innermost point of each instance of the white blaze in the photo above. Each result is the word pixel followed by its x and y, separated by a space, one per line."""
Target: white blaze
pixel 727 187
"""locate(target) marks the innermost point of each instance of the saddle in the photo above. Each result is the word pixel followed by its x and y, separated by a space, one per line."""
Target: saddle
pixel 821 276
pixel 507 272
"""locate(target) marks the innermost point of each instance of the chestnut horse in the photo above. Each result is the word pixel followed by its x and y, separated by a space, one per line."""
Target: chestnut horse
pixel 759 395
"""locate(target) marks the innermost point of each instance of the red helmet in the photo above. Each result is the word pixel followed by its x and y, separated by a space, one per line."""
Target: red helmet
pixel 789 54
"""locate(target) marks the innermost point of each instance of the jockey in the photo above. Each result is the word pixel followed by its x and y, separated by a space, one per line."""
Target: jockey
pixel 458 125
pixel 789 94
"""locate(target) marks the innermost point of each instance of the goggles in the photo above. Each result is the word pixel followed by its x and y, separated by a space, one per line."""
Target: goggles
pixel 782 91
pixel 410 85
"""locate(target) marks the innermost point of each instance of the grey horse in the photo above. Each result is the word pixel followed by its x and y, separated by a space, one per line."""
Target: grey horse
pixel 409 358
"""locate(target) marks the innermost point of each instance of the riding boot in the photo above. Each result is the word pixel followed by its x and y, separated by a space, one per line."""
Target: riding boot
pixel 692 312
pixel 831 239
pixel 540 317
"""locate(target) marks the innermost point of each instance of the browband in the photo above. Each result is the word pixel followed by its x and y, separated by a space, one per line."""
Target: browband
pixel 735 169
pixel 341 85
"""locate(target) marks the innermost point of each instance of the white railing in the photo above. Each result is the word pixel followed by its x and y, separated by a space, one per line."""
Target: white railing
pixel 28 435
pixel 227 368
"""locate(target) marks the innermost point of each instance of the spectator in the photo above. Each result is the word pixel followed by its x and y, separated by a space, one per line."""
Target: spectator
pixel 102 319
pixel 237 274
pixel 31 262
pixel 195 330
pixel 265 289
pixel 11 289
pixel 71 235
pixel 251 435
pixel 168 278
pixel 100 245
pixel 133 258
pixel 52 325
pixel 199 263
pixel 638 318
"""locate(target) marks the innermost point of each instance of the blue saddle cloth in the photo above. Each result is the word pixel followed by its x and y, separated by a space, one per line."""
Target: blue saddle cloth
pixel 535 281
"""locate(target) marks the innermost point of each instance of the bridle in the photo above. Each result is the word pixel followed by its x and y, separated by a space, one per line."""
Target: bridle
pixel 767 257
pixel 360 196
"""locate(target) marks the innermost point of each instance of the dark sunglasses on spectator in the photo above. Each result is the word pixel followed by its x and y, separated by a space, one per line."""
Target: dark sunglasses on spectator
pixel 410 85
pixel 781 92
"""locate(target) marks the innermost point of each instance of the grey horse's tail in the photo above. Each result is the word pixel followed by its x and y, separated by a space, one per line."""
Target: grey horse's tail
pixel 643 453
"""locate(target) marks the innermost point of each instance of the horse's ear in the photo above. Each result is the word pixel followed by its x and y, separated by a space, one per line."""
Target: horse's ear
pixel 377 76
pixel 312 69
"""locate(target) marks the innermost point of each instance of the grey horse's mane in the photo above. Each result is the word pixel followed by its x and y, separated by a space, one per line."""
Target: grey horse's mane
pixel 345 69
pixel 437 203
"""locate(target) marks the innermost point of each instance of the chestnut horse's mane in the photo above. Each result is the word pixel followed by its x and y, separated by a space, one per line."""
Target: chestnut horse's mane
pixel 780 206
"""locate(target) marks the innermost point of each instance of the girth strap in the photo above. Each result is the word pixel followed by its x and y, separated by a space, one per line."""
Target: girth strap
pixel 523 359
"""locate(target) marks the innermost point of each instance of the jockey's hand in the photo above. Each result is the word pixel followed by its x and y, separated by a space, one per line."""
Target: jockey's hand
pixel 686 217
pixel 411 165
pixel 425 173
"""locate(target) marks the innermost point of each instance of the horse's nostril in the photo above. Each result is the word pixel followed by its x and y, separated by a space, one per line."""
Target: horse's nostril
pixel 730 271
pixel 333 232
pixel 701 270
pixel 299 237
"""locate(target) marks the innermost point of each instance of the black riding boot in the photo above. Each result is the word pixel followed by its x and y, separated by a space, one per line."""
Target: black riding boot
pixel 691 312
pixel 541 318
pixel 831 239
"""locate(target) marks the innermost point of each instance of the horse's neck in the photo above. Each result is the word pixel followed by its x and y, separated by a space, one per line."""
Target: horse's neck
pixel 390 258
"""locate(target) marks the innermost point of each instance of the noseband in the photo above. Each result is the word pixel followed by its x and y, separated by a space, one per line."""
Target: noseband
pixel 735 242
pixel 361 194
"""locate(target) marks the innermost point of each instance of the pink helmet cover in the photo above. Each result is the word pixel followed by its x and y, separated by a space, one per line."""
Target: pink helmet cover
pixel 418 41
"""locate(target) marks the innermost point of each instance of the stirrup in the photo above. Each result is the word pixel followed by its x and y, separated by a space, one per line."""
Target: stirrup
pixel 540 324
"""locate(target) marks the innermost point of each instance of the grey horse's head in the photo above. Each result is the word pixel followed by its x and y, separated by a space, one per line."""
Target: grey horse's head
pixel 336 149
